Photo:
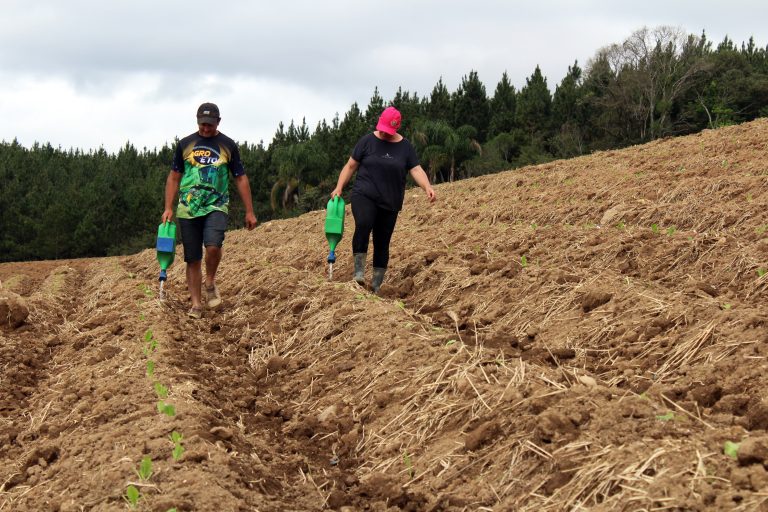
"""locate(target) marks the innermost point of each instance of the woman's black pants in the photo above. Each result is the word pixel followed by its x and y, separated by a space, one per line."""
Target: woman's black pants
pixel 370 218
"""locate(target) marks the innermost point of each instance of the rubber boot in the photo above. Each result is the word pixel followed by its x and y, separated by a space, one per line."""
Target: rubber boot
pixel 360 268
pixel 378 278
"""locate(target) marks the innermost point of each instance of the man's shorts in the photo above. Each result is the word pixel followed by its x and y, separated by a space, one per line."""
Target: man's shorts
pixel 202 231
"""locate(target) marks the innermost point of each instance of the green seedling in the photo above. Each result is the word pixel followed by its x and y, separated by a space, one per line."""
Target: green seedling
pixel 150 368
pixel 151 346
pixel 167 409
pixel 731 449
pixel 178 451
pixel 145 469
pixel 671 230
pixel 523 261
pixel 148 335
pixel 161 391
pixel 146 290
pixel 655 227
pixel 670 416
pixel 408 464
pixel 450 342
pixel 533 226
pixel 400 304
pixel 132 497
pixel 761 229
pixel 727 306
pixel 171 510
pixel 761 272
pixel 681 169
pixel 142 317
pixel 621 224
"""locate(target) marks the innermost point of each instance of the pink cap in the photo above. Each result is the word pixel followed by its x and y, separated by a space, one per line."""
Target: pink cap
pixel 389 121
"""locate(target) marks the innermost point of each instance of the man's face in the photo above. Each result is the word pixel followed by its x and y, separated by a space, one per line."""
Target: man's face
pixel 207 129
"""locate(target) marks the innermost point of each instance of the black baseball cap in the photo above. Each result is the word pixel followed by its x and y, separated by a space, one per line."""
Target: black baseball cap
pixel 208 113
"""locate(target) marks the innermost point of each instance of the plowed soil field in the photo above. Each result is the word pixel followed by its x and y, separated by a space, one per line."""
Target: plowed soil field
pixel 587 334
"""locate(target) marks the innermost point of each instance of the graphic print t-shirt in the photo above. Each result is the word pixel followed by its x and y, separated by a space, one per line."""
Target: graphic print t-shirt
pixel 383 168
pixel 205 164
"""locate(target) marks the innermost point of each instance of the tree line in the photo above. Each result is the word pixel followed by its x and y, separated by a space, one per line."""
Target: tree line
pixel 659 82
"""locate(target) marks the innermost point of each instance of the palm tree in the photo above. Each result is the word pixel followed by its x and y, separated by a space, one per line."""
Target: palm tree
pixel 293 162
pixel 442 145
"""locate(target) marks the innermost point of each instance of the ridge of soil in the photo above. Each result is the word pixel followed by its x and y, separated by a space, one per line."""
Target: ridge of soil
pixel 585 334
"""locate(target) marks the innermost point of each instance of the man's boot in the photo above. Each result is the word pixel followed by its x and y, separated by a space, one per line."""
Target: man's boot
pixel 378 278
pixel 360 268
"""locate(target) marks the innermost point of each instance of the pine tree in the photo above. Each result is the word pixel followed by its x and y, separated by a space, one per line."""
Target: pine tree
pixel 503 105
pixel 534 105
pixel 568 115
pixel 439 107
pixel 375 106
pixel 470 105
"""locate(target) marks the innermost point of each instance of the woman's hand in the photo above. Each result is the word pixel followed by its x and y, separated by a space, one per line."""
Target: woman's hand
pixel 430 193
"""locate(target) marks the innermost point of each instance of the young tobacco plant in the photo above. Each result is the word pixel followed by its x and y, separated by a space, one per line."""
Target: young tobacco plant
pixel 145 469
pixel 132 497
pixel 178 449
pixel 167 409
pixel 161 391
pixel 408 464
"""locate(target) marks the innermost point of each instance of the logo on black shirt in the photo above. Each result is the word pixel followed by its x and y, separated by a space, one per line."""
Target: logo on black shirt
pixel 387 156
pixel 205 156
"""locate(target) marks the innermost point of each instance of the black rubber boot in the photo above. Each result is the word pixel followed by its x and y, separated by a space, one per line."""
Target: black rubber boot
pixel 360 268
pixel 378 278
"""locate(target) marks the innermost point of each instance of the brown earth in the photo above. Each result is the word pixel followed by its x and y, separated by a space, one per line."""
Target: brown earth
pixel 581 335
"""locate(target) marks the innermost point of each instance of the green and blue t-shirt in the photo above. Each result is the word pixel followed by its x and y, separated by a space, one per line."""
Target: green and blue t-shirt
pixel 205 164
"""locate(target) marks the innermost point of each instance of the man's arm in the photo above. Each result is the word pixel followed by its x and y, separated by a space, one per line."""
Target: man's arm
pixel 171 193
pixel 244 189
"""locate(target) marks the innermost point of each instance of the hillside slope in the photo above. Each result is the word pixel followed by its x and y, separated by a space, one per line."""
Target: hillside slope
pixel 585 334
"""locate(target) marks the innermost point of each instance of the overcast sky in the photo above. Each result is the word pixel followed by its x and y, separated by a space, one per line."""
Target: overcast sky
pixel 89 74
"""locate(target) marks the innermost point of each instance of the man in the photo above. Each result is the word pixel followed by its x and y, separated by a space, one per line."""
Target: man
pixel 200 175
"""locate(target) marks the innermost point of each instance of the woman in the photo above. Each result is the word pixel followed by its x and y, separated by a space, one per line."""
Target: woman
pixel 383 159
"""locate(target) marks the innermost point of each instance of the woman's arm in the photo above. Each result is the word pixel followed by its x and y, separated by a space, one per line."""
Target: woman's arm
pixel 422 180
pixel 346 174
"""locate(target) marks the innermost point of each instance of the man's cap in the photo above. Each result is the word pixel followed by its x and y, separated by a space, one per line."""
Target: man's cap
pixel 389 121
pixel 208 113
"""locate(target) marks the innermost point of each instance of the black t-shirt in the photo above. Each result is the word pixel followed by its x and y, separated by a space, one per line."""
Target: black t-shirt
pixel 383 168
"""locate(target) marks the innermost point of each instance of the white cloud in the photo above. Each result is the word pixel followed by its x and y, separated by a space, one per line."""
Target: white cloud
pixel 140 68
pixel 130 112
